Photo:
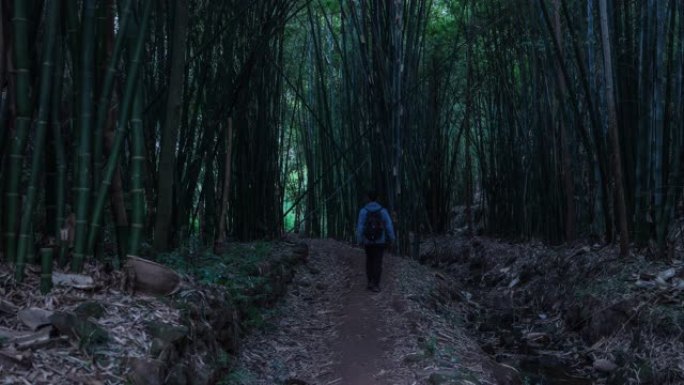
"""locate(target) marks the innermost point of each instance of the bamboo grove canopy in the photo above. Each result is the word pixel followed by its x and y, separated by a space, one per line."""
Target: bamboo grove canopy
pixel 130 126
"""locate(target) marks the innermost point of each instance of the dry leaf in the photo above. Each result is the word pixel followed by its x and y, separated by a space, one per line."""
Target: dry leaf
pixel 667 274
pixel 34 318
pixel 77 281
pixel 7 307
pixel 604 365
pixel 9 360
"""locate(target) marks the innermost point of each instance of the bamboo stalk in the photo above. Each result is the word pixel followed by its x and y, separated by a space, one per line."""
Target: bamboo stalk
pixel 103 104
pixel 63 247
pixel 169 136
pixel 46 269
pixel 58 142
pixel 659 155
pixel 226 183
pixel 83 177
pixel 4 52
pixel 122 123
pixel 675 177
pixel 26 229
pixel 23 123
pixel 613 132
pixel 60 159
pixel 137 224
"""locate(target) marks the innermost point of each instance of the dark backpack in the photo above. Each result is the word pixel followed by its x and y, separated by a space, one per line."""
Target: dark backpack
pixel 374 228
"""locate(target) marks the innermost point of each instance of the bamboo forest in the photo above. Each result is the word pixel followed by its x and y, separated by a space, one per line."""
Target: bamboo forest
pixel 341 192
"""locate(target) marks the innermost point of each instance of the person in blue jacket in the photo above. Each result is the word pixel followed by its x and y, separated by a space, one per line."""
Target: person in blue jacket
pixel 374 231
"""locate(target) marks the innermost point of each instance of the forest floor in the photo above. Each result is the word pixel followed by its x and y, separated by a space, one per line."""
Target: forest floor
pixel 475 311
pixel 468 311
pixel 574 314
pixel 330 330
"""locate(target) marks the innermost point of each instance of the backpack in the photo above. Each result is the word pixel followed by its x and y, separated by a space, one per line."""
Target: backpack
pixel 374 228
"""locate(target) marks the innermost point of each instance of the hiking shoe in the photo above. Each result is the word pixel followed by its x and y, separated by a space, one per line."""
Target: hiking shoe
pixel 375 289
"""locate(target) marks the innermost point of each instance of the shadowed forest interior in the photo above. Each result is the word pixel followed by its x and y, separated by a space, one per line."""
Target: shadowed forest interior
pixel 181 131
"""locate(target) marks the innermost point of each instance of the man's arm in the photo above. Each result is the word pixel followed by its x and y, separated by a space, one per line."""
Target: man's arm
pixel 388 225
pixel 359 226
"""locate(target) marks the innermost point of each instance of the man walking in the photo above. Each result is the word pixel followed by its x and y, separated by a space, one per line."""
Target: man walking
pixel 375 232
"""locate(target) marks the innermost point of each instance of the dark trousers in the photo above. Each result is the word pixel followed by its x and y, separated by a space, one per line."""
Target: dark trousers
pixel 374 263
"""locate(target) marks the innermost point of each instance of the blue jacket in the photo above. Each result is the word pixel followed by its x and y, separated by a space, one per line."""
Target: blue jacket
pixel 389 229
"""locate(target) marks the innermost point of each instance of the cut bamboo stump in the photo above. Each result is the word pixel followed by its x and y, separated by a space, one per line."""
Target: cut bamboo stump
pixel 152 278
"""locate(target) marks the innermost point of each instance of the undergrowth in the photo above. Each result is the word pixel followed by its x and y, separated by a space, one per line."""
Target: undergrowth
pixel 237 270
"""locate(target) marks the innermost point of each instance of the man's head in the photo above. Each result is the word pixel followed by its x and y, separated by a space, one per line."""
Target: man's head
pixel 372 195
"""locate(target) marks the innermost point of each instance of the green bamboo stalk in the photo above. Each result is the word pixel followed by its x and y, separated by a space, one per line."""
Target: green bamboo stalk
pixel 73 41
pixel 3 133
pixel 137 166
pixel 103 116
pixel 23 123
pixel 659 156
pixel 58 142
pixel 209 187
pixel 613 133
pixel 46 268
pixel 82 190
pixel 59 159
pixel 3 76
pixel 226 182
pixel 3 126
pixel 30 244
pixel 72 29
pixel 107 87
pixel 122 122
pixel 26 241
pixel 675 177
pixel 644 171
pixel 169 136
pixel 63 249
pixel 103 32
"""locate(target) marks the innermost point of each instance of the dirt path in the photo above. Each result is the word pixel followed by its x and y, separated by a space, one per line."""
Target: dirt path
pixel 364 331
pixel 330 330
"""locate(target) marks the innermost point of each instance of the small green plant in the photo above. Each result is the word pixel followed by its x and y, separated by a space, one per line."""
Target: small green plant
pixel 223 359
pixel 238 377
pixel 430 347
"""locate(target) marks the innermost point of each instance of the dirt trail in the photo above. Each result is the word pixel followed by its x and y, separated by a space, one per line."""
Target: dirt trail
pixel 330 330
pixel 364 330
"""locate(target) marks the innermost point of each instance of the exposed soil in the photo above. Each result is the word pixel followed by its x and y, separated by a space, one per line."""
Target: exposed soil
pixel 363 332
pixel 331 330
